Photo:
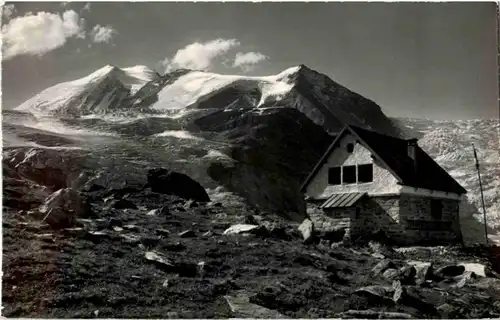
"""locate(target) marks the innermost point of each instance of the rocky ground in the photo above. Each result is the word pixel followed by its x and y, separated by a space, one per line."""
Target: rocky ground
pixel 150 252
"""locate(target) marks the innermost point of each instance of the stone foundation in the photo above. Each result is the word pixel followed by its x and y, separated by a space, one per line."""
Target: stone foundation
pixel 406 219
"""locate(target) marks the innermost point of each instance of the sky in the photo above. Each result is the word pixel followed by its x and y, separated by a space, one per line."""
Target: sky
pixel 424 60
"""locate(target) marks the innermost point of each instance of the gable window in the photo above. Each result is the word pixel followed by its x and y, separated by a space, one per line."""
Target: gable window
pixel 436 209
pixel 350 147
pixel 334 176
pixel 365 173
pixel 349 174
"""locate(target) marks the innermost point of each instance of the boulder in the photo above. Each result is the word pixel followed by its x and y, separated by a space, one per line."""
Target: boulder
pixel 159 259
pixel 242 228
pixel 407 274
pixel 241 307
pixel 424 271
pixel 307 230
pixel 478 268
pixel 464 279
pixel 63 207
pixel 449 271
pixel 164 181
pixel 383 266
pixel 376 294
pixel 391 274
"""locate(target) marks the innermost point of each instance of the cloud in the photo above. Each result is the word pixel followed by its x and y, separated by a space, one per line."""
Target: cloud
pixel 248 60
pixel 102 33
pixel 200 56
pixel 7 11
pixel 40 33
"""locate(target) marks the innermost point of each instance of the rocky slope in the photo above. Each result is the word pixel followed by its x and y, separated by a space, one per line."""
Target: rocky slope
pixel 138 252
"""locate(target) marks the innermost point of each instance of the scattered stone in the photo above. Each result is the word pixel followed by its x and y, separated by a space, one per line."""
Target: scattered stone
pixel 424 271
pixel 478 268
pixel 407 274
pixel 465 278
pixel 449 271
pixel 166 283
pixel 382 266
pixel 370 314
pixel 124 204
pixel 191 204
pixel 77 230
pixel 131 227
pixel 130 238
pixel 170 182
pixel 376 290
pixel 307 230
pixel 187 234
pixel 172 315
pixel 445 310
pixel 398 291
pixel 153 212
pixel 208 234
pixel 118 229
pixel 159 259
pixel 97 235
pixel 240 228
pixel 391 274
pixel 163 232
pixel 241 307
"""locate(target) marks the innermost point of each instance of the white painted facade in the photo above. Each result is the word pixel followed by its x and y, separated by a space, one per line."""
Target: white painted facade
pixel 383 180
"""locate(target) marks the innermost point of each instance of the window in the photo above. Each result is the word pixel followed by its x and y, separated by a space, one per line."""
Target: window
pixel 350 147
pixel 334 176
pixel 365 173
pixel 349 174
pixel 436 209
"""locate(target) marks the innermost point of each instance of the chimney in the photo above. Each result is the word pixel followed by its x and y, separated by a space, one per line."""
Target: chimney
pixel 412 151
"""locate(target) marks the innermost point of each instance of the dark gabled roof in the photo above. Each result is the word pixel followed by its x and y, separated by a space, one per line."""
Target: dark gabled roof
pixel 393 153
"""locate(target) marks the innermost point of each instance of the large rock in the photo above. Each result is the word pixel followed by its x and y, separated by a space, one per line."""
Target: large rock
pixel 63 207
pixel 449 271
pixel 241 228
pixel 241 307
pixel 383 266
pixel 307 230
pixel 170 182
pixel 52 168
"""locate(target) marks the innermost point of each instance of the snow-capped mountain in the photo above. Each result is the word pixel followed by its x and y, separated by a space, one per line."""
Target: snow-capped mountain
pixel 111 90
pixel 99 92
